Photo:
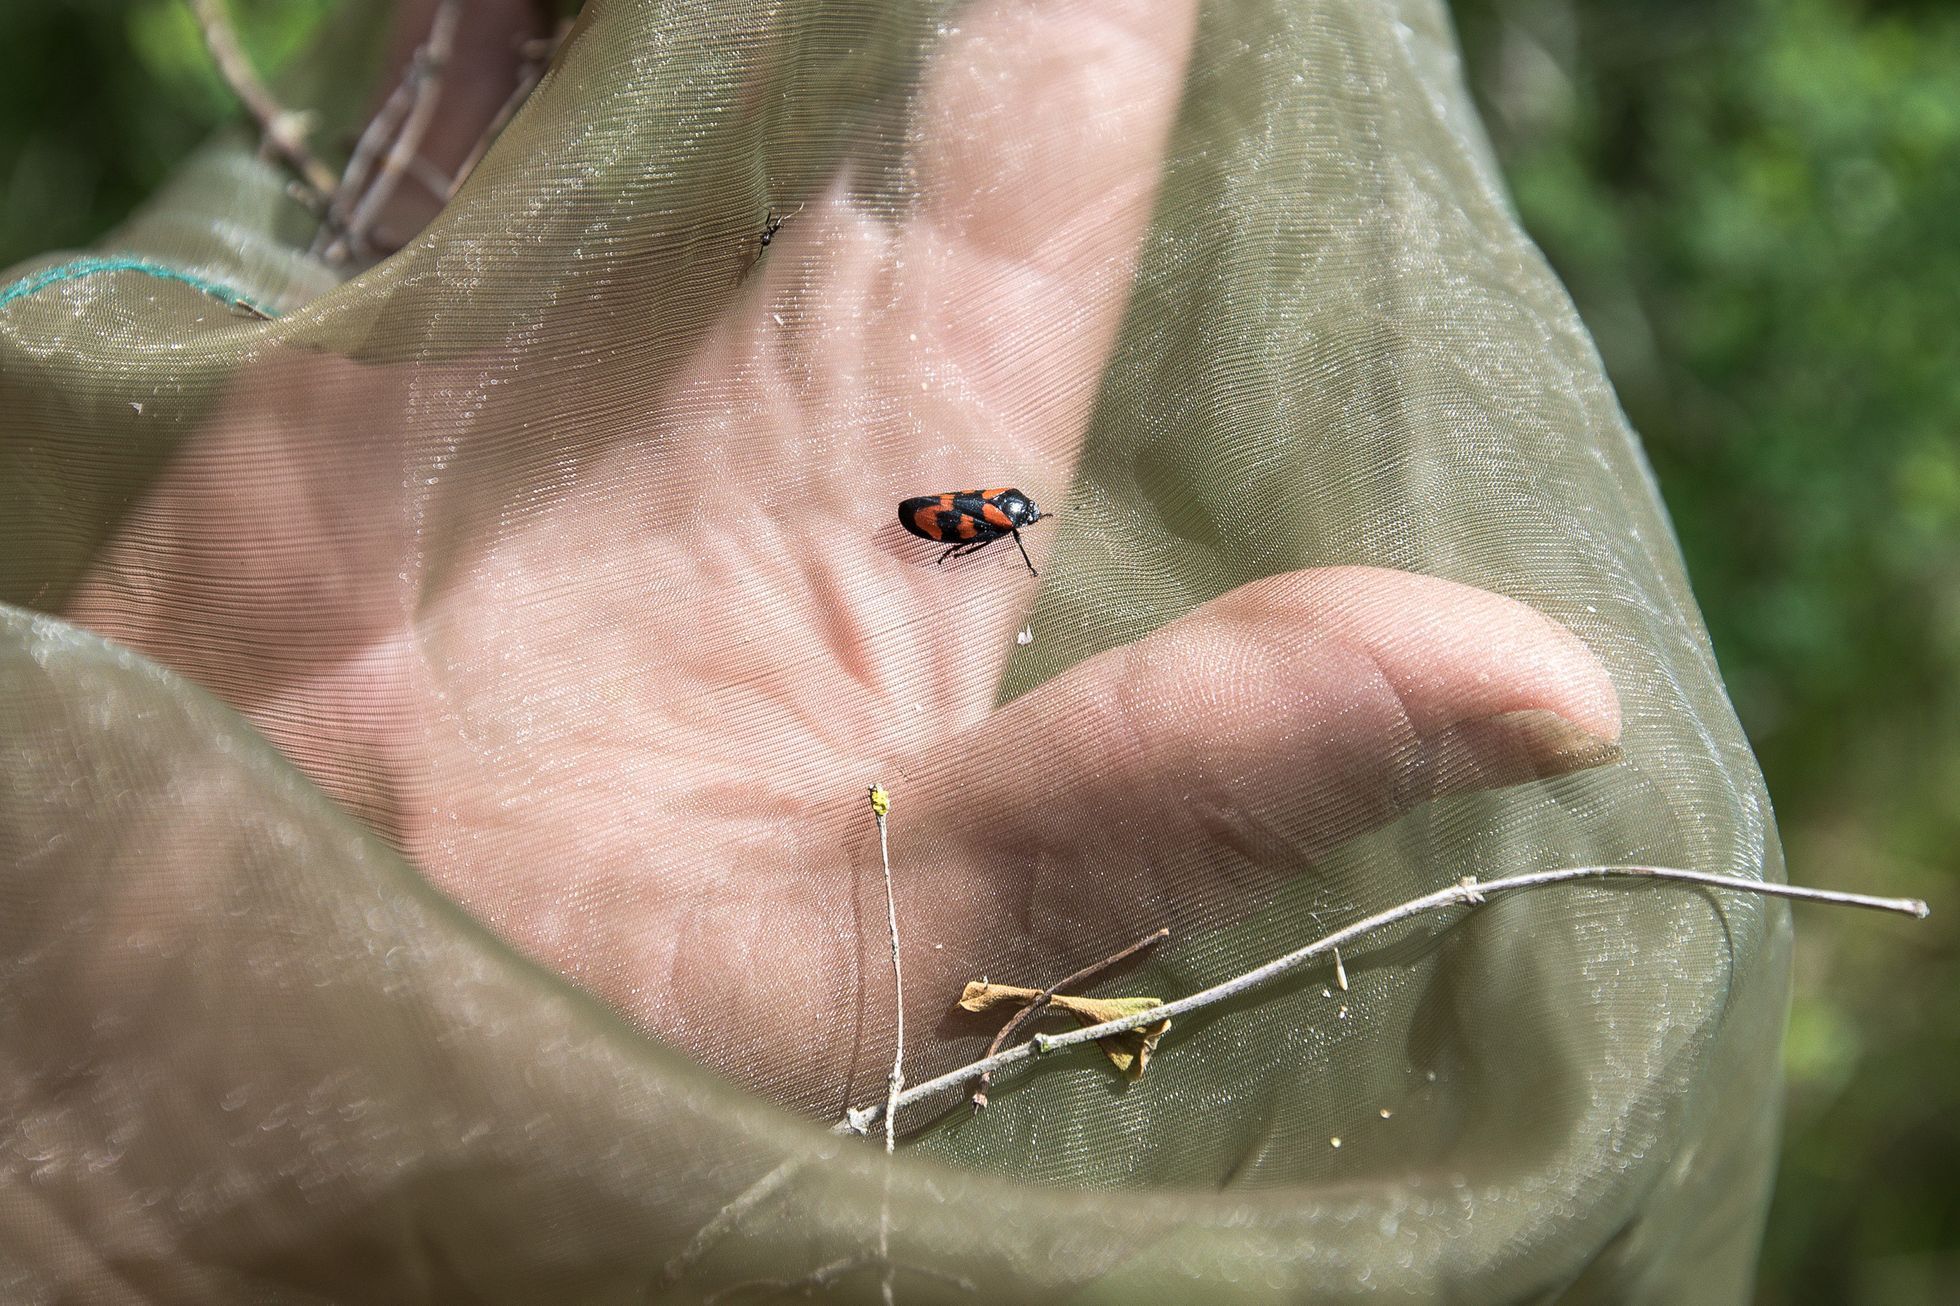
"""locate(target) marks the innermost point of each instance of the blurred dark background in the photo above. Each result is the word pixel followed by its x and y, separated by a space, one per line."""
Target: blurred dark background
pixel 1756 204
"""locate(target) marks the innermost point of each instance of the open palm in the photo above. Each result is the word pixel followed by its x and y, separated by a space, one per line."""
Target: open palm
pixel 629 722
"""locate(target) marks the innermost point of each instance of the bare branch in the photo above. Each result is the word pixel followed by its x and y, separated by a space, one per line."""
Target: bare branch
pixel 825 1275
pixel 1025 1016
pixel 537 55
pixel 424 85
pixel 283 129
pixel 880 806
pixel 375 137
pixel 728 1217
pixel 526 83
pixel 1466 892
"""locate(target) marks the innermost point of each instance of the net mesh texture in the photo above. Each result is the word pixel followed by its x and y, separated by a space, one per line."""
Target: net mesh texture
pixel 437 715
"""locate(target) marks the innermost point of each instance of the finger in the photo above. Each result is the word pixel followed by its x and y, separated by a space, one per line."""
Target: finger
pixel 1042 142
pixel 961 347
pixel 1256 734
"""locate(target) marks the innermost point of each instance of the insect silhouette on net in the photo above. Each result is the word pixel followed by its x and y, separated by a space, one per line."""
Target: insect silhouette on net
pixel 970 520
pixel 772 223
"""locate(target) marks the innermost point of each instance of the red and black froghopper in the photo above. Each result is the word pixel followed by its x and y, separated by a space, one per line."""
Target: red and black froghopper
pixel 970 519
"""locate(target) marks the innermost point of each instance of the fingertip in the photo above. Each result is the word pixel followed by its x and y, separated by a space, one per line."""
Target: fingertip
pixel 1289 715
pixel 1454 652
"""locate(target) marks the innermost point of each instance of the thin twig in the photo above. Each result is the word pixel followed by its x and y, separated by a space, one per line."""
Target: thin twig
pixel 825 1275
pixel 1467 891
pixel 377 135
pixel 727 1218
pixel 880 805
pixel 425 78
pixel 283 129
pixel 374 138
pixel 434 182
pixel 1025 1016
pixel 527 81
pixel 881 802
pixel 537 55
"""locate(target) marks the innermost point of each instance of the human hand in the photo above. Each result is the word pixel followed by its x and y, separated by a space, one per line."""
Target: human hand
pixel 618 690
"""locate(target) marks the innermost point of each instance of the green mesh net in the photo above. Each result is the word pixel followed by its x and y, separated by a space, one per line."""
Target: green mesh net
pixel 437 706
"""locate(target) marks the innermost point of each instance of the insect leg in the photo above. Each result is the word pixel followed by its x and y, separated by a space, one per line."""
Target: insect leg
pixel 1024 553
pixel 965 547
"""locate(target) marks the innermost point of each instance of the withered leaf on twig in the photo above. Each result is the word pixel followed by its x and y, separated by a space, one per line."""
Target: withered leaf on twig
pixel 1130 1052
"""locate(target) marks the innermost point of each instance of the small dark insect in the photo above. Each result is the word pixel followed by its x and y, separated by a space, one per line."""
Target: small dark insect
pixel 770 226
pixel 970 519
pixel 772 223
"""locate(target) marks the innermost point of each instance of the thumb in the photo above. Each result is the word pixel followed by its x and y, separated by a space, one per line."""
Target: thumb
pixel 1254 735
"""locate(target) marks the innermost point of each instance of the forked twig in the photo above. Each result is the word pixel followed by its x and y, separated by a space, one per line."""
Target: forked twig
pixel 537 57
pixel 283 129
pixel 1467 891
pixel 1026 1015
pixel 424 87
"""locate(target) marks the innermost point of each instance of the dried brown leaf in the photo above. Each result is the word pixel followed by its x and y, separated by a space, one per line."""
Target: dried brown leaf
pixel 1128 1052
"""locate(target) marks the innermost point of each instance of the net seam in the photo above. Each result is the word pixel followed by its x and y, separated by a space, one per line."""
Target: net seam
pixel 89 267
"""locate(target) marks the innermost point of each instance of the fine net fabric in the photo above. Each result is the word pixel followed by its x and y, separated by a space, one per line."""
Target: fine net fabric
pixel 437 719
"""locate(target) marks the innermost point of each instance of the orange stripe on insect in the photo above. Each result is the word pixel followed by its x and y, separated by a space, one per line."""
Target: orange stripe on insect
pixel 974 518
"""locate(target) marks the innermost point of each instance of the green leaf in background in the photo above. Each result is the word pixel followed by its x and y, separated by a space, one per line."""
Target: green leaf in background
pixel 102 98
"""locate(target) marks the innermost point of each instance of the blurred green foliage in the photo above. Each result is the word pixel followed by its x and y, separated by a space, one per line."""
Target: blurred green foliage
pixel 103 97
pixel 1754 203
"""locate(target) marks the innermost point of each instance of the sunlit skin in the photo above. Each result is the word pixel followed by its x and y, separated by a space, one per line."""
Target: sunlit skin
pixel 629 724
